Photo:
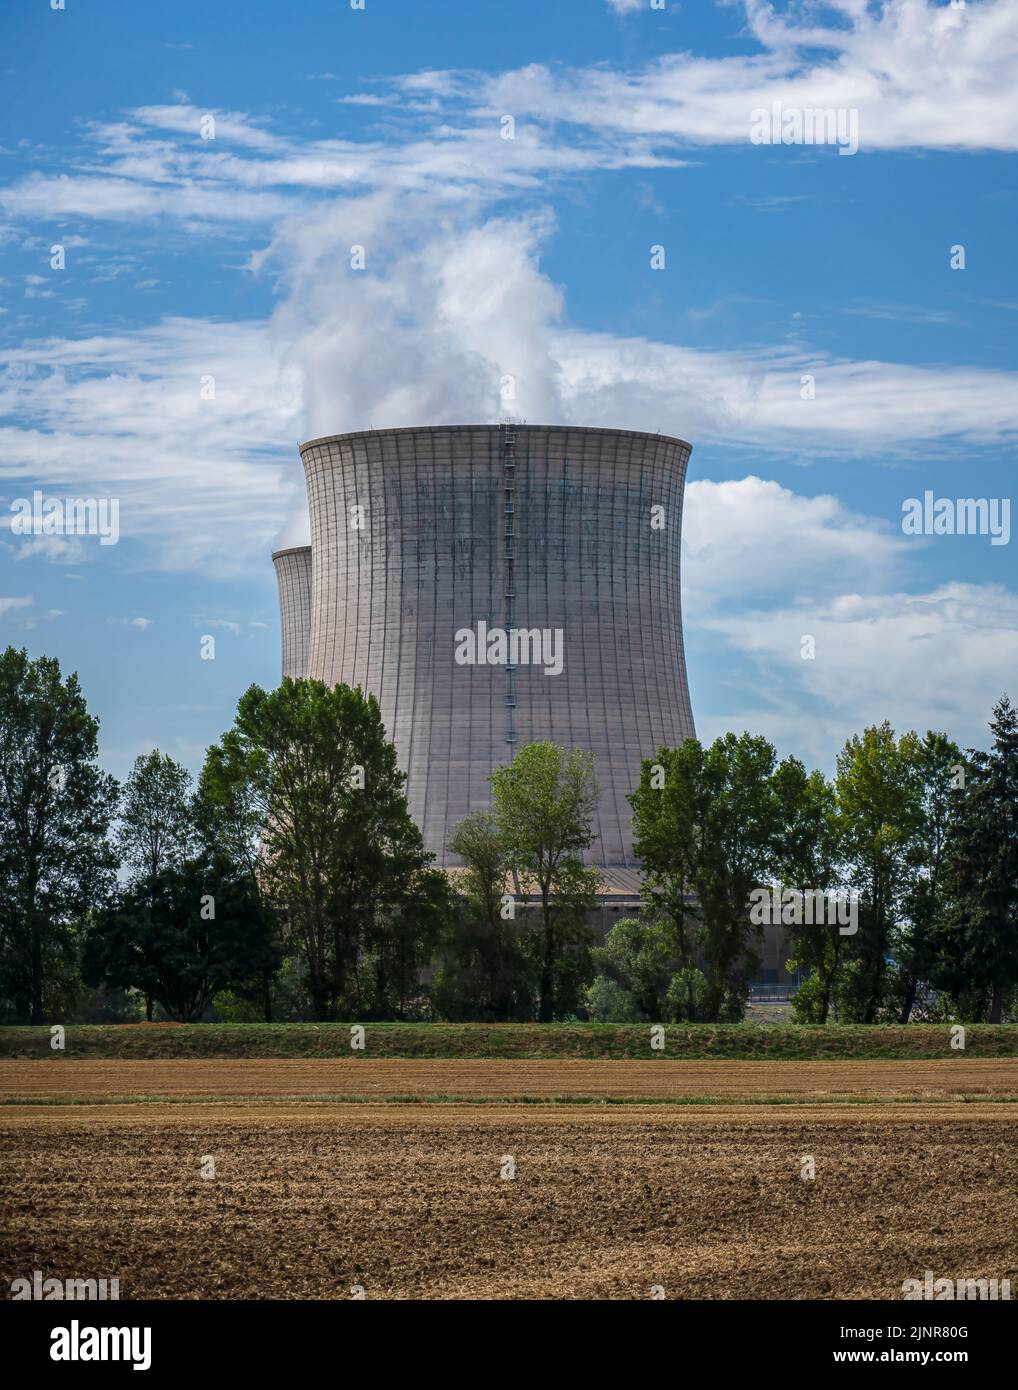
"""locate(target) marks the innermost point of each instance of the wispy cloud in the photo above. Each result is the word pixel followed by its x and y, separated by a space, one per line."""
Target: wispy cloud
pixel 920 74
pixel 190 424
pixel 453 301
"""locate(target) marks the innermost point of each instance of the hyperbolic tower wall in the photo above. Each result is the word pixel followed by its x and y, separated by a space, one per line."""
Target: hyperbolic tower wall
pixel 293 576
pixel 576 531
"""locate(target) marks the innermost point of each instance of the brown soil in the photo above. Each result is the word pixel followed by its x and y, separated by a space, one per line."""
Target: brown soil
pixel 660 1079
pixel 409 1202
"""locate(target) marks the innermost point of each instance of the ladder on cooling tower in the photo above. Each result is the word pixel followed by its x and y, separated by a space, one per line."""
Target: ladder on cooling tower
pixel 509 570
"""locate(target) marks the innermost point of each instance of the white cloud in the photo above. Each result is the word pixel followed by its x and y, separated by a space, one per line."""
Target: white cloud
pixel 201 483
pixel 749 539
pixel 451 303
pixel 454 301
pixel 57 550
pixel 936 659
pixel 11 605
pixel 764 567
pixel 141 623
pixel 755 396
pixel 154 163
pixel 451 306
pixel 120 199
pixel 920 73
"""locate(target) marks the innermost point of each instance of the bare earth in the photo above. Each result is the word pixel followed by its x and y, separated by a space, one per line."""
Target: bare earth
pixel 314 1199
pixel 656 1079
pixel 410 1202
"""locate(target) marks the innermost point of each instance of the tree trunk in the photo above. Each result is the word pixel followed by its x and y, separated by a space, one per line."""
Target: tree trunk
pixel 36 971
pixel 997 1003
pixel 546 1009
pixel 829 982
pixel 148 1008
pixel 909 1002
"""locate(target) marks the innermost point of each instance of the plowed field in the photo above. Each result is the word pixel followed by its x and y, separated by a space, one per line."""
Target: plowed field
pixel 654 1080
pixel 411 1201
pixel 102 1163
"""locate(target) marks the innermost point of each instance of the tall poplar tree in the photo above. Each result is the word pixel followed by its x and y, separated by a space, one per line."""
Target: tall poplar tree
pixel 978 942
pixel 56 859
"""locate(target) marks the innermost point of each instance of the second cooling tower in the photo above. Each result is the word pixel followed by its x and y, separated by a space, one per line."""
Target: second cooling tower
pixel 494 586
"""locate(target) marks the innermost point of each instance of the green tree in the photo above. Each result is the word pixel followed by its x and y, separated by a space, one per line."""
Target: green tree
pixel 156 825
pixel 193 930
pixel 544 804
pixel 399 941
pixel 56 860
pixel 936 765
pixel 607 1001
pixel 156 828
pixel 337 844
pixel 229 808
pixel 705 822
pixel 481 955
pixel 669 809
pixel 463 989
pixel 806 859
pixel 638 956
pixel 880 811
pixel 736 850
pixel 977 944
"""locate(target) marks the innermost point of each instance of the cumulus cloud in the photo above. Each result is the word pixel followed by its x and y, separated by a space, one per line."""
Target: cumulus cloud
pixel 748 539
pixel 935 659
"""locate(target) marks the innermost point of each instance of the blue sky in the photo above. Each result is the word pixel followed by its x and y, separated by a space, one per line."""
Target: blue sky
pixel 188 257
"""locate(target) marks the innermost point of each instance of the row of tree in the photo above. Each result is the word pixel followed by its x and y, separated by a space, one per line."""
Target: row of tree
pixel 291 881
pixel 921 838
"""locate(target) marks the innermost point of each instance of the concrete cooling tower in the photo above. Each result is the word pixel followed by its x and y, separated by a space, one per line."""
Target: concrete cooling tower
pixel 494 586
pixel 293 576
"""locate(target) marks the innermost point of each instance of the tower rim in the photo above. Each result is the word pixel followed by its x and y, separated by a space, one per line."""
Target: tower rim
pixel 496 425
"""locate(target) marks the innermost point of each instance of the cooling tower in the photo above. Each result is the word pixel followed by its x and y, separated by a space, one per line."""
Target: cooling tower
pixel 293 575
pixel 494 586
